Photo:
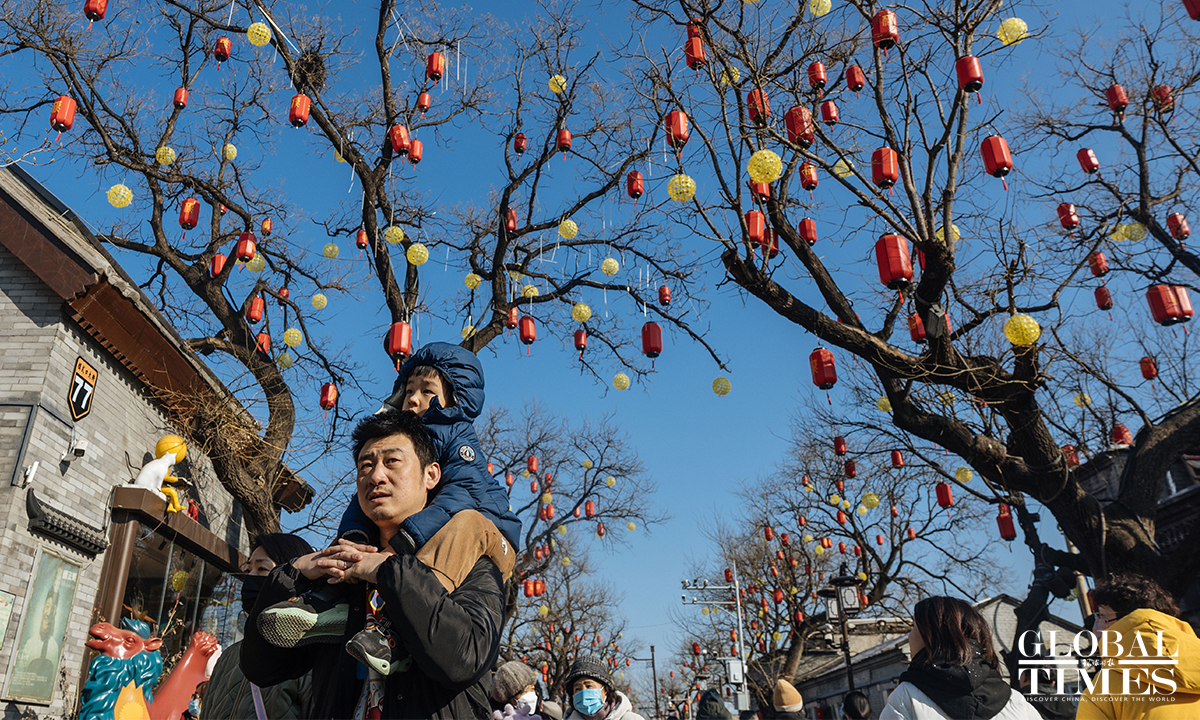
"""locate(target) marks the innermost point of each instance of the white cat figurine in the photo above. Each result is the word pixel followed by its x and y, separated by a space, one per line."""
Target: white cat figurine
pixel 152 474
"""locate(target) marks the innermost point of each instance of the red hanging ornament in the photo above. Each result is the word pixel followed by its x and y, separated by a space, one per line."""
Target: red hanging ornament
pixel 800 128
pixel 850 469
pixel 1178 225
pixel 398 342
pixel 435 67
pixel 1121 435
pixel 885 167
pixel 1004 521
pixel 808 231
pixel 885 31
pixel 829 113
pixel 897 459
pixel 1067 216
pixel 1117 99
pixel 652 340
pixel 839 445
pixel 562 142
pixel 817 77
pixel 62 114
pixel 329 395
pixel 634 185
pixel 856 79
pixel 254 312
pixel 664 295
pixel 262 341
pixel 970 74
pixel 824 372
pixel 944 497
pixel 996 157
pixel 1071 455
pixel 895 265
pixel 398 137
pixel 416 149
pixel 424 101
pixel 1169 304
pixel 222 50
pixel 1104 299
pixel 916 329
pixel 246 247
pixel 189 213
pixel 218 264
pixel 520 143
pixel 693 51
pixel 94 10
pixel 758 107
pixel 1088 161
pixel 283 294
pixel 180 100
pixel 676 125
pixel 756 227
pixel 1149 368
pixel 581 342
pixel 298 111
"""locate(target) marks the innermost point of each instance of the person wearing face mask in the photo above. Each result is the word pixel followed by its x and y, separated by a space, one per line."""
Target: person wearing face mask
pixel 593 695
pixel 515 683
pixel 229 695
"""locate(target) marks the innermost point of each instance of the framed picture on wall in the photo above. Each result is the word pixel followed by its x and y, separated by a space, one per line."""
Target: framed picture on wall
pixel 33 667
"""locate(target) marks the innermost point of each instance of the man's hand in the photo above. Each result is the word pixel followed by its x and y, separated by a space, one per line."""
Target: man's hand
pixel 334 561
pixel 365 567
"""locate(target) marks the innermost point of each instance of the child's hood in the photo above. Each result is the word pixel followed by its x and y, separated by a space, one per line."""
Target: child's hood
pixel 460 366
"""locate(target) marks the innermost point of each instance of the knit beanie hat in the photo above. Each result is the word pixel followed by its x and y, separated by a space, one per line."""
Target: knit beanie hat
pixel 592 667
pixel 787 698
pixel 510 679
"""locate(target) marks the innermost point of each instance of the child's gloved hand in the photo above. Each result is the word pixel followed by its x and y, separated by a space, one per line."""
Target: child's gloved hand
pixel 511 713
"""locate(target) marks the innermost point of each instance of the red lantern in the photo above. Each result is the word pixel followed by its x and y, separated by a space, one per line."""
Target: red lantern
pixel 94 10
pixel 895 265
pixel 885 167
pixel 1178 225
pixel 855 78
pixel 841 517
pixel 589 508
pixel 510 220
pixel 756 227
pixel 254 312
pixel 824 373
pixel 222 50
pixel 885 31
pixel 651 340
pixel 800 128
pixel 528 588
pixel 189 213
pixel 771 246
pixel 1193 8
pixel 816 76
pixel 777 596
pixel 841 486
pixel 360 239
pixel 996 157
pixel 1163 98
pixel 531 465
pixel 415 150
pixel 533 486
pixel 265 227
pixel 676 125
pixel 916 329
pixel 895 511
pixel 842 548
pixel 246 247
pixel 1004 521
pixel 634 185
pixel 839 446
pixel 514 316
pixel 693 51
pixel 758 106
pixel 1067 216
pixel 298 114
pixel 1169 304
pixel 664 295
pixel 1098 263
pixel 562 142
pixel 329 394
pixel 970 74
pixel 181 98
pixel 577 512
pixel 857 551
pixel 435 67
pixel 808 176
pixel 398 135
pixel 1118 100
pixel 1104 299
pixel 808 231
pixel 1149 367
pixel 729 579
pixel 826 543
pixel 829 112
pixel 528 330
pixel 769 533
pixel 761 192
pixel 1070 455
pixel 424 101
pixel 262 341
pixel 784 540
pixel 897 459
pixel 218 264
pixel 1121 435
pixel 944 497
pixel 600 529
pixel 912 534
pixel 850 469
pixel 1087 160
pixel 398 342
pixel 283 294
pixel 520 142
pixel 62 114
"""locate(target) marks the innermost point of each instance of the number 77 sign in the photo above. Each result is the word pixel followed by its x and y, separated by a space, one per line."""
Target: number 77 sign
pixel 83 386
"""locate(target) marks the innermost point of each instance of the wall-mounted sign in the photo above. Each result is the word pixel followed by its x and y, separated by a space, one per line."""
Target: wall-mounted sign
pixel 33 668
pixel 6 607
pixel 83 387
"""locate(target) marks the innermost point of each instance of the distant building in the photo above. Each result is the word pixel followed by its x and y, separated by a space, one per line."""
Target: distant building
pixel 85 360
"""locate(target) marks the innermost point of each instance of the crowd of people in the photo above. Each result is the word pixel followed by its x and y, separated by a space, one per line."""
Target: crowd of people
pixel 401 616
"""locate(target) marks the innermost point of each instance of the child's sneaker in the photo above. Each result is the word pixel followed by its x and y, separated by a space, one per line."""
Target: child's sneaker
pixel 375 647
pixel 303 620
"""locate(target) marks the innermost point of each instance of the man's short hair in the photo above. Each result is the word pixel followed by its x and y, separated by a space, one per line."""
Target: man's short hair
pixel 395 422
pixel 1126 592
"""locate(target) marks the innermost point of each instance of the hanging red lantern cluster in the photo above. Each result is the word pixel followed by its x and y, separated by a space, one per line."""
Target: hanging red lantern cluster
pixel 1067 216
pixel 1169 304
pixel 533 588
pixel 693 48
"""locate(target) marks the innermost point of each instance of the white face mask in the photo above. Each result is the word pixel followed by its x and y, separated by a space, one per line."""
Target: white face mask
pixel 529 701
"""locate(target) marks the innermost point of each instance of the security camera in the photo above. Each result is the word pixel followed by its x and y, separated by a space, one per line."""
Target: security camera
pixel 79 449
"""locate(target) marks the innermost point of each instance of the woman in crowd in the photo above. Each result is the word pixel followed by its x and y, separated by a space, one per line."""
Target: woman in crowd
pixel 593 695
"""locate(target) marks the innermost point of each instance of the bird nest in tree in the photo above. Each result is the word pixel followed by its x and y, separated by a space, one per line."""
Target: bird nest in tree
pixel 309 70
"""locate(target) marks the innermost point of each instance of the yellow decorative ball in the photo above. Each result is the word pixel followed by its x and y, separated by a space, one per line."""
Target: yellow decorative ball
pixel 1135 231
pixel 870 500
pixel 292 337
pixel 721 386
pixel 257 263
pixel 331 251
pixel 543 611
pixel 610 266
pixel 468 331
pixel 319 301
pixel 258 34
pixel 862 510
pixel 1118 233
pixel 621 381
pixel 529 291
pixel 285 360
pixel 704 610
pixel 843 168
pixel 179 580
pixel 819 8
pixel 765 166
pixel 808 537
pixel 1012 30
pixel 610 481
pixel 947 397
pixel 581 312
pixel 558 84
pixel 963 474
pixel 681 188
pixel 631 526
pixel 730 76
pixel 566 562
pixel 567 229
pixel 119 196
pixel 547 498
pixel 516 275
pixel 562 530
pixel 524 473
pixel 338 156
pixel 1022 329
pixel 776 636
pixel 587 464
pixel 884 404
pixel 861 576
pixel 1081 400
pixel 845 504
pixel 417 254
pixel 835 499
pixel 818 550
pixel 394 234
pixel 164 155
pixel 941 236
pixel 472 280
pixel 171 444
pixel 229 152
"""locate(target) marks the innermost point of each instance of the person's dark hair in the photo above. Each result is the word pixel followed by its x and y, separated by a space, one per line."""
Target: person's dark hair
pixel 1126 592
pixel 395 422
pixel 424 371
pixel 856 706
pixel 282 548
pixel 953 632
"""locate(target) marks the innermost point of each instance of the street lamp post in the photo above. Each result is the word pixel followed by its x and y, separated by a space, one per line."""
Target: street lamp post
pixel 840 584
pixel 654 675
pixel 735 665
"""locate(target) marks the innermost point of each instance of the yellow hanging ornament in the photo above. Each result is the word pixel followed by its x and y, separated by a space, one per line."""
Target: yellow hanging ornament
pixel 610 266
pixel 621 381
pixel 257 263
pixel 681 188
pixel 558 84
pixel 843 168
pixel 394 234
pixel 884 404
pixel 319 301
pixel 284 360
pixel 1022 329
pixel 819 8
pixel 963 474
pixel 870 500
pixel 587 464
pixel 1012 30
pixel 331 251
pixel 468 331
pixel 567 229
pixel 721 386
pixel 529 291
pixel 258 34
pixel 765 166
pixel 164 155
pixel 472 281
pixel 292 337
pixel 610 481
pixel 417 254
pixel 581 313
pixel 119 196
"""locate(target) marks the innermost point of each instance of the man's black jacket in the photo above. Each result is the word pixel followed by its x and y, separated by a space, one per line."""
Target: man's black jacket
pixel 454 640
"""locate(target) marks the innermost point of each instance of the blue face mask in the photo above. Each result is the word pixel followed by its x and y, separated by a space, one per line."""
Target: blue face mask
pixel 194 708
pixel 588 701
